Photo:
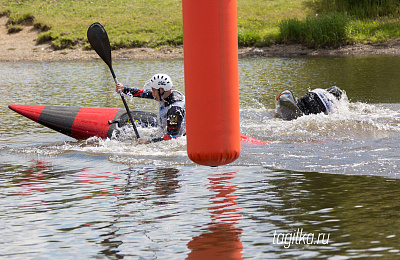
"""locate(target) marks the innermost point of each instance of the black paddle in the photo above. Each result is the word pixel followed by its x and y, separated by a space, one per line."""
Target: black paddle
pixel 99 41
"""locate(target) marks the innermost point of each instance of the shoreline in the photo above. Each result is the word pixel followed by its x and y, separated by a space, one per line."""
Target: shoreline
pixel 22 46
pixel 44 52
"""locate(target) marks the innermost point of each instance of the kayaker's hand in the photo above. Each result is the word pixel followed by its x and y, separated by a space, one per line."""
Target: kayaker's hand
pixel 119 87
pixel 144 142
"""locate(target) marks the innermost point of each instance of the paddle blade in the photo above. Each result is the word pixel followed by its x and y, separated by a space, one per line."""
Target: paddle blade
pixel 99 41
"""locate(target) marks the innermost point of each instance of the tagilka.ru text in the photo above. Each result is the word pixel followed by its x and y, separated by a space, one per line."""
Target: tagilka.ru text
pixel 300 237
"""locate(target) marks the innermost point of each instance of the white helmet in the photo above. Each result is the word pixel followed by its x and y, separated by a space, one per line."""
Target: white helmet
pixel 161 81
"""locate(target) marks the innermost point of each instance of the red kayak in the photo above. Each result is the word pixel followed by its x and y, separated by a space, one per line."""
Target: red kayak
pixel 85 122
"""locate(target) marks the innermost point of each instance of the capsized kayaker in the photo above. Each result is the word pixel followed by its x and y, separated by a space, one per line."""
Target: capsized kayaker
pixel 313 102
pixel 172 105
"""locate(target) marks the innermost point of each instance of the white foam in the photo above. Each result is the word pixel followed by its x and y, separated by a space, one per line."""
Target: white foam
pixel 349 120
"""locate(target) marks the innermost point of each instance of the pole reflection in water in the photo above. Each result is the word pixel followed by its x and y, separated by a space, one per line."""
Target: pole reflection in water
pixel 220 240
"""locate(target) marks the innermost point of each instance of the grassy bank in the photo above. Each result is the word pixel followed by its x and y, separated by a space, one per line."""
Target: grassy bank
pixel 153 23
pixel 339 22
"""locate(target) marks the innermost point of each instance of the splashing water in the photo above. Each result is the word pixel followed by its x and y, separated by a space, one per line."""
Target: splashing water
pixel 350 120
pixel 358 138
pixel 122 147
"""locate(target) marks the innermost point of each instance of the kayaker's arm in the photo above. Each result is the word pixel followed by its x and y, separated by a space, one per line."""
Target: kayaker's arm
pixel 134 92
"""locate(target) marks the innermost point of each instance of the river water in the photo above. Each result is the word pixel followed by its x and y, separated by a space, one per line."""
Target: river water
pixel 333 177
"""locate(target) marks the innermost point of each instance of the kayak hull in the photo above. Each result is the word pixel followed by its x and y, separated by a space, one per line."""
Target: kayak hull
pixel 82 122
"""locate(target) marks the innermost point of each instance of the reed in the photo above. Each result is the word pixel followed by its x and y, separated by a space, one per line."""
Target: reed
pixel 320 31
pixel 340 22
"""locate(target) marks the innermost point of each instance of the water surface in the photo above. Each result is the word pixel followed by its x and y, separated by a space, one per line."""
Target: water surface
pixel 335 176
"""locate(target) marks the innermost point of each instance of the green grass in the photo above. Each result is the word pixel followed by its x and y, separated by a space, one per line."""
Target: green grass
pixel 374 30
pixel 258 20
pixel 356 8
pixel 155 23
pixel 128 23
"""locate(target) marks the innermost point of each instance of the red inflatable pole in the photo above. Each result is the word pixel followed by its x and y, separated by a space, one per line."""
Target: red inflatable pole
pixel 211 81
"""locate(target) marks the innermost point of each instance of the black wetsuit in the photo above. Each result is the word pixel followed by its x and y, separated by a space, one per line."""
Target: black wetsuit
pixel 313 102
pixel 319 100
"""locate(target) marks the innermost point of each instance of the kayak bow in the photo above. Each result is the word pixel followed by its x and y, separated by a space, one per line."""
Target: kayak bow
pixel 82 122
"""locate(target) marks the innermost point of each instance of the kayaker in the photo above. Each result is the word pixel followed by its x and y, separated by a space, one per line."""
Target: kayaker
pixel 313 102
pixel 172 105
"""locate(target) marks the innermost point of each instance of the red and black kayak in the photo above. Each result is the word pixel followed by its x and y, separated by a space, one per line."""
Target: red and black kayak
pixel 85 122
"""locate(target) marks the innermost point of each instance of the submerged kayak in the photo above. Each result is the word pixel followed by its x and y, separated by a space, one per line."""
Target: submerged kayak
pixel 85 122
